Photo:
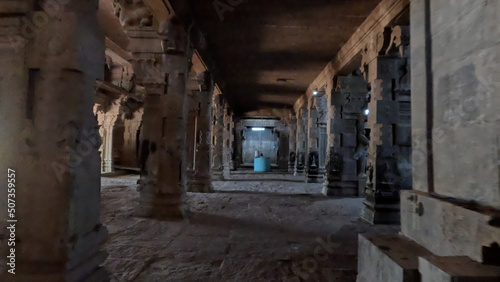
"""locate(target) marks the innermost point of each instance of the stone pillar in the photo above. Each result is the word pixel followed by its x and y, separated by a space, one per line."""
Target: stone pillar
pixel 239 128
pixel 449 221
pixel 292 143
pixel 108 125
pixel 321 102
pixel 228 163
pixel 217 136
pixel 191 132
pixel 283 146
pixel 345 135
pixel 50 142
pixel 389 154
pixel 301 142
pixel 163 71
pixel 130 156
pixel 312 172
pixel 200 181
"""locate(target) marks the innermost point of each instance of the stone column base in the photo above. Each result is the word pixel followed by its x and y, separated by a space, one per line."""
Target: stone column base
pixel 165 207
pixel 340 189
pixel 314 178
pixel 381 207
pixel 226 174
pixel 217 176
pixel 299 172
pixel 380 214
pixel 200 185
pixel 107 166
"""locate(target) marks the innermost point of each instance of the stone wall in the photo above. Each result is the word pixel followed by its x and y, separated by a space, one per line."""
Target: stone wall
pixel 458 101
pixel 452 213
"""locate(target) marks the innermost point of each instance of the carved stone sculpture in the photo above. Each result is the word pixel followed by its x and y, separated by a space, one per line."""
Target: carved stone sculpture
pixel 133 13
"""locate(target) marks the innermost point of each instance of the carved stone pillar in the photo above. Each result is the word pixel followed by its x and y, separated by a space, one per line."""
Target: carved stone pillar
pixel 201 181
pixel 292 143
pixel 321 103
pixel 239 128
pixel 300 163
pixel 228 162
pixel 283 146
pixel 130 156
pixel 50 142
pixel 191 132
pixel 312 175
pixel 217 136
pixel 389 154
pixel 163 71
pixel 345 135
pixel 108 125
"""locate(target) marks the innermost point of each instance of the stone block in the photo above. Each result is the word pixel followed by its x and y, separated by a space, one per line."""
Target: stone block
pixel 386 111
pixel 349 169
pixel 351 84
pixel 466 163
pixel 340 188
pixel 385 68
pixel 388 258
pixel 448 227
pixel 403 135
pixel 349 140
pixel 456 269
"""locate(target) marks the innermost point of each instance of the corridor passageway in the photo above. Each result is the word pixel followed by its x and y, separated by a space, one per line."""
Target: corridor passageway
pixel 245 231
pixel 263 140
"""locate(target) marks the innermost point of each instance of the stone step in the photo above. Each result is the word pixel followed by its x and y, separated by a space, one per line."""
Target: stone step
pixel 395 258
pixel 456 269
pixel 388 258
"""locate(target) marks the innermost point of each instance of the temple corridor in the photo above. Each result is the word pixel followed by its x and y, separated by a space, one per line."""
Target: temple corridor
pixel 263 140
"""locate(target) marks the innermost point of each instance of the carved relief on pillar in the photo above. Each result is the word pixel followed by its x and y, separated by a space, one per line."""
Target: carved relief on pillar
pixel 200 180
pixel 147 69
pixel 312 164
pixel 292 135
pixel 132 13
pixel 239 129
pixel 345 128
pixel 228 152
pixel 301 147
pixel 163 74
pixel 108 125
pixel 217 135
pixel 389 153
pixel 130 150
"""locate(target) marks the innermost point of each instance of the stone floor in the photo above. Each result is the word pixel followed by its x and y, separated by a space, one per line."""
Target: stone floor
pixel 246 231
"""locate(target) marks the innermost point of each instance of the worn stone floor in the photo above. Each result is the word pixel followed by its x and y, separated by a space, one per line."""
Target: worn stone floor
pixel 246 231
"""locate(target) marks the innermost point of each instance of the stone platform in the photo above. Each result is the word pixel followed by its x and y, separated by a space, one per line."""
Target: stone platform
pixel 387 258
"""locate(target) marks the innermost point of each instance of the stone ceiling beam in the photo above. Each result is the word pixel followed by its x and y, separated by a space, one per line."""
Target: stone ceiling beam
pixel 117 54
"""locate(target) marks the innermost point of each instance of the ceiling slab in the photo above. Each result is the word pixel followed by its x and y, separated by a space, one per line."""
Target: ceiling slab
pixel 270 51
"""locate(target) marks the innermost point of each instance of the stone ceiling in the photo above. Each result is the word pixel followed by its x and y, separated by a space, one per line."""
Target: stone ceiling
pixel 269 51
